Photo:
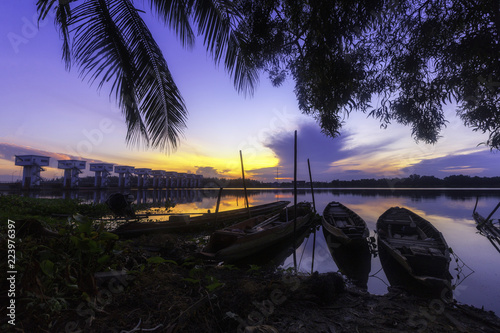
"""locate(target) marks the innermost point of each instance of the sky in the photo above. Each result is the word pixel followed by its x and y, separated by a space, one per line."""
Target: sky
pixel 47 110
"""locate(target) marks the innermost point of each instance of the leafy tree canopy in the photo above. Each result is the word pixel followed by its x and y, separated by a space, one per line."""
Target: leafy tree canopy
pixel 110 43
pixel 413 56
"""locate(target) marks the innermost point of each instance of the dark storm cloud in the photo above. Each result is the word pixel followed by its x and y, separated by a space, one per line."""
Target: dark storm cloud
pixel 311 144
pixel 482 164
pixel 321 150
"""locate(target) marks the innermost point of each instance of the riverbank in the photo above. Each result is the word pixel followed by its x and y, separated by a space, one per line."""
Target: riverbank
pixel 80 278
pixel 168 289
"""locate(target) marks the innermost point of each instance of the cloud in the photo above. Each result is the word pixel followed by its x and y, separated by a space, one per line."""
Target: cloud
pixel 483 163
pixel 208 172
pixel 8 152
pixel 347 157
pixel 311 144
pixel 330 158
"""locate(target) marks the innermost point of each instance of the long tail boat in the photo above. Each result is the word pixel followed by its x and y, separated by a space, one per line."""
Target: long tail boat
pixel 353 259
pixel 488 227
pixel 185 223
pixel 343 224
pixel 416 246
pixel 256 234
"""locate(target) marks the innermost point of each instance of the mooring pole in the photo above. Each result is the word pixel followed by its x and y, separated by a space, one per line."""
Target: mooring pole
pixel 491 214
pixel 244 185
pixel 312 188
pixel 295 201
pixel 475 206
pixel 218 204
pixel 314 248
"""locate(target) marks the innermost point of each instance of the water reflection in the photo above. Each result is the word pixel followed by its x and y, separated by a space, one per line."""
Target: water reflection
pixel 353 259
pixel 450 211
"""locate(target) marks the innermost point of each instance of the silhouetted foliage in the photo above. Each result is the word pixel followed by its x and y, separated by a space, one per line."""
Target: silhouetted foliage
pixel 410 57
pixel 111 44
pixel 414 56
pixel 412 181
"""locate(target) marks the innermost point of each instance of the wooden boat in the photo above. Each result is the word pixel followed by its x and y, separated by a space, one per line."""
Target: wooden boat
pixel 276 254
pixel 256 234
pixel 353 260
pixel 487 227
pixel 185 223
pixel 416 245
pixel 343 224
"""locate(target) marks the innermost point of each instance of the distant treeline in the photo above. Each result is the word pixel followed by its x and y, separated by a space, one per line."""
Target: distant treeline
pixel 413 181
pixel 416 181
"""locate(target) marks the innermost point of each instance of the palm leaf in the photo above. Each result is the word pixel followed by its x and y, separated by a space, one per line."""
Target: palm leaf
pixel 43 8
pixel 175 13
pixel 215 23
pixel 162 106
pixel 101 52
pixel 63 13
pixel 112 43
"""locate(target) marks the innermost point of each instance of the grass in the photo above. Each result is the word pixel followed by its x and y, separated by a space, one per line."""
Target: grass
pixel 18 207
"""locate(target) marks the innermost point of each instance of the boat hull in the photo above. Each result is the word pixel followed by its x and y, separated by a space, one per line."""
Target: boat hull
pixel 416 246
pixel 343 224
pixel 233 243
pixel 198 223
pixel 353 259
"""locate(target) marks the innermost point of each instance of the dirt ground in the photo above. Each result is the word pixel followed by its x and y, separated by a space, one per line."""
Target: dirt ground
pixel 167 288
pixel 186 294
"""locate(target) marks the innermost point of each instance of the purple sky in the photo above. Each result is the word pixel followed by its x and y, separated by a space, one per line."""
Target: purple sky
pixel 49 111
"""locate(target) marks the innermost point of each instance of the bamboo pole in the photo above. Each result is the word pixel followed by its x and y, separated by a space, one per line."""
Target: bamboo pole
pixel 218 204
pixel 295 201
pixel 475 206
pixel 244 184
pixel 491 214
pixel 314 248
pixel 312 187
pixel 314 208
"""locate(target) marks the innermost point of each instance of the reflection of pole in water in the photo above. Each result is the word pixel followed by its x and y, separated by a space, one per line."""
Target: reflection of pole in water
pixel 314 248
pixel 295 200
pixel 312 188
pixel 244 185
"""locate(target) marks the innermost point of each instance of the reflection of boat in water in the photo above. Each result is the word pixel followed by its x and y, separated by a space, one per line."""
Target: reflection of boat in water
pixel 185 223
pixel 488 227
pixel 353 260
pixel 276 254
pixel 343 224
pixel 253 235
pixel 412 249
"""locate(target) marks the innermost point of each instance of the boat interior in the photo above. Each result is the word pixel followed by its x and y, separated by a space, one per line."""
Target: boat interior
pixel 410 239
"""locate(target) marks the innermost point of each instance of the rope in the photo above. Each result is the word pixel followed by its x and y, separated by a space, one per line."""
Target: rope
pixel 460 265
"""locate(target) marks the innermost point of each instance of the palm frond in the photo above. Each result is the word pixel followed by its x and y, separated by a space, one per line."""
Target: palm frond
pixel 63 13
pixel 214 22
pixel 161 104
pixel 102 53
pixel 43 8
pixel 175 13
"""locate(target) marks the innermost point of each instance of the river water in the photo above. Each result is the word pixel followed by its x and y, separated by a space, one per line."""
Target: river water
pixel 476 267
